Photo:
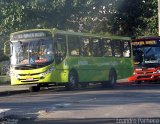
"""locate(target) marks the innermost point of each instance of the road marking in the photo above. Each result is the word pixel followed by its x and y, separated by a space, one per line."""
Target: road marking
pixel 62 105
pixel 4 110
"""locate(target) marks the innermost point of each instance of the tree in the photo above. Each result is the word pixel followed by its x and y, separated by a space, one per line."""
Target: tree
pixel 121 17
pixel 135 18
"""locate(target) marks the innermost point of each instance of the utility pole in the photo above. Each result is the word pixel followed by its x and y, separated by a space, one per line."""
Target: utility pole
pixel 159 17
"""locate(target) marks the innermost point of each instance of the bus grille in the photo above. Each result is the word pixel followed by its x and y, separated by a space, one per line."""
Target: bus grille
pixel 29 74
pixel 144 72
pixel 34 80
pixel 30 81
pixel 143 77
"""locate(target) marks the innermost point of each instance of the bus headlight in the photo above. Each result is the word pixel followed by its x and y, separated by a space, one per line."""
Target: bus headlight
pixel 14 74
pixel 47 72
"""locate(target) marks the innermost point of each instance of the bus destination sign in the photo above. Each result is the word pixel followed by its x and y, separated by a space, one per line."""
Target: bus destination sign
pixel 141 43
pixel 29 35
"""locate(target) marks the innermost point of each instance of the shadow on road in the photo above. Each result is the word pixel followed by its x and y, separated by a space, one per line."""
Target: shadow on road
pixel 77 121
pixel 96 87
pixel 60 121
pixel 52 100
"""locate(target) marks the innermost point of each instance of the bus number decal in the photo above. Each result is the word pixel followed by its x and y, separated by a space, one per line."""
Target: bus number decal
pixel 82 62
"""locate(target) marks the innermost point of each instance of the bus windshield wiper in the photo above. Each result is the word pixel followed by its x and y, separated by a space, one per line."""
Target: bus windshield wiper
pixel 148 50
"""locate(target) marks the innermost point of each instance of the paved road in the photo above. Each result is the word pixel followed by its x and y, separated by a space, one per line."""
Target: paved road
pixel 86 105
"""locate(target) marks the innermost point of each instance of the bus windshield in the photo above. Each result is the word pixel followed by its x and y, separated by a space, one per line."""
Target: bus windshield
pixel 32 52
pixel 147 55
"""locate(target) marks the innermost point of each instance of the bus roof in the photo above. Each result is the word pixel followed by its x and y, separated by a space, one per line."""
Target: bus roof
pixel 54 31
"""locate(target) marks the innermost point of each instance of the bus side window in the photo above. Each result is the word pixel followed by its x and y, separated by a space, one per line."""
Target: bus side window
pixel 60 47
pixel 126 49
pixel 117 48
pixel 107 49
pixel 96 47
pixel 85 47
pixel 73 44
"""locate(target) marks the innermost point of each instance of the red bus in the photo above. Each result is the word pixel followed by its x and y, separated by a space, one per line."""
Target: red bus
pixel 146 52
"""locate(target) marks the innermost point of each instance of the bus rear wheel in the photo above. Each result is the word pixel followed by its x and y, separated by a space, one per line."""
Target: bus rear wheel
pixel 112 78
pixel 72 81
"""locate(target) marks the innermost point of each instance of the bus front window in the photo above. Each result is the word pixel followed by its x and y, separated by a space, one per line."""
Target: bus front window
pixel 32 52
pixel 147 55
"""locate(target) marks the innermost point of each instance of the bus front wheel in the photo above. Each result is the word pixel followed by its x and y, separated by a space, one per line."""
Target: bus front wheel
pixel 138 82
pixel 34 88
pixel 72 81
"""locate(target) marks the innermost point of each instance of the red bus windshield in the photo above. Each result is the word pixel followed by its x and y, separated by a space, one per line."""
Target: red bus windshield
pixel 146 52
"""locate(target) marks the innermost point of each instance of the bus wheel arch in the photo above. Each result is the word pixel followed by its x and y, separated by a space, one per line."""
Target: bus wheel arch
pixel 73 80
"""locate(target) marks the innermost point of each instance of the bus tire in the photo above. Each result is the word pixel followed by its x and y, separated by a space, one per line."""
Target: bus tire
pixel 34 88
pixel 72 80
pixel 112 78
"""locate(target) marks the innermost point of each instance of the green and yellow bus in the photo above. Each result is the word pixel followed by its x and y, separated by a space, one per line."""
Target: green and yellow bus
pixel 50 56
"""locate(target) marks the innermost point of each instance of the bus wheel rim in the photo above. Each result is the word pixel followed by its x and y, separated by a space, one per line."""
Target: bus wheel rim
pixel 72 80
pixel 112 79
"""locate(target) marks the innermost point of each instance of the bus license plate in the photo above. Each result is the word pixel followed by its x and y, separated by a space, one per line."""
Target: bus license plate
pixel 29 79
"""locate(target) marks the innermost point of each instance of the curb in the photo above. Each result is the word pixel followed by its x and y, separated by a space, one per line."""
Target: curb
pixel 7 93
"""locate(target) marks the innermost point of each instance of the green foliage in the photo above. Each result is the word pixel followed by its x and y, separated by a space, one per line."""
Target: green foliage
pixel 135 18
pixel 122 17
pixel 115 16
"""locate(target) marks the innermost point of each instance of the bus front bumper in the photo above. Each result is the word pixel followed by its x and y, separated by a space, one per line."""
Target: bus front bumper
pixel 24 80
pixel 144 77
